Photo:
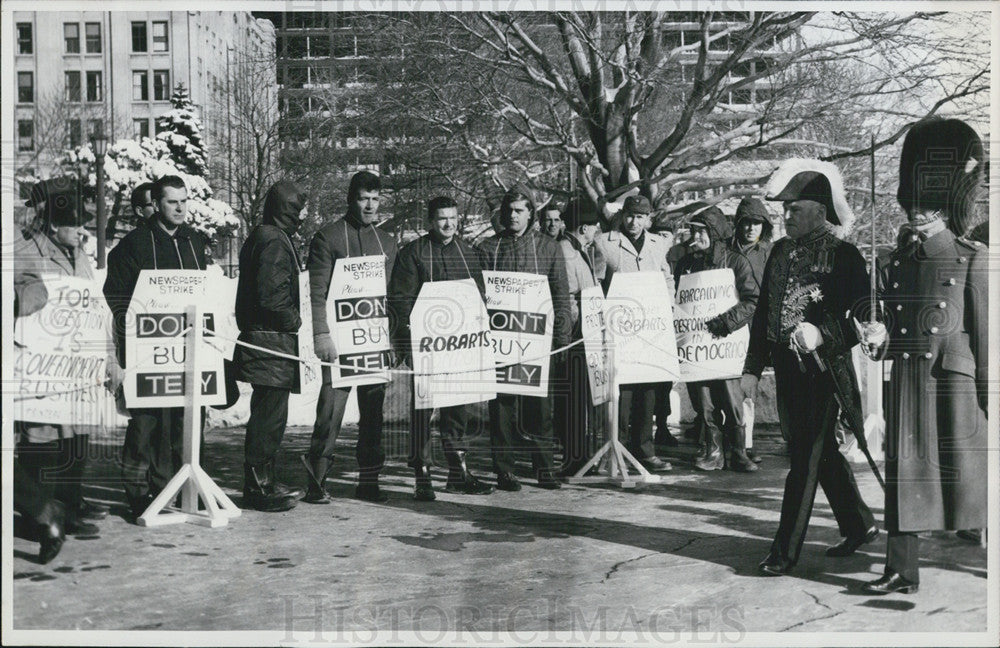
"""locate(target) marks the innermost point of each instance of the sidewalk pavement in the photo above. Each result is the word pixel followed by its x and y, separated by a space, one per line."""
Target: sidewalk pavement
pixel 595 560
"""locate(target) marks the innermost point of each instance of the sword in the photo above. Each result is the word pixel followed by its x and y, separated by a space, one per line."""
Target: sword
pixel 871 316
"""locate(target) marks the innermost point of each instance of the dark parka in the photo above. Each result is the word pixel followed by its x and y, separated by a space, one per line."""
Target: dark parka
pixel 267 296
pixel 936 442
pixel 718 255
pixel 147 247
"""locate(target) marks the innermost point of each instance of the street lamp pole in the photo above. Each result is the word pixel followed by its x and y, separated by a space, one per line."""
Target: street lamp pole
pixel 99 144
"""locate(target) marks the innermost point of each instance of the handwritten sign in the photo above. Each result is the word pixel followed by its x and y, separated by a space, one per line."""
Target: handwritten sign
pixel 640 322
pixel 309 369
pixel 520 309
pixel 700 297
pixel 223 291
pixel 61 354
pixel 452 348
pixel 155 353
pixel 594 343
pixel 359 321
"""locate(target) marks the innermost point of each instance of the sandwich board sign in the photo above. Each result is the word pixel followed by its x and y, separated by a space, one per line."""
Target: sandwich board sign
pixel 520 310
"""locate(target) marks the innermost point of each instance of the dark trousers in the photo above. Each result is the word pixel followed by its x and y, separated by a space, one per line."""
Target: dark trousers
pixel 521 423
pixel 330 415
pixel 573 414
pixel 55 466
pixel 902 555
pixel 720 406
pixel 661 407
pixel 151 454
pixel 266 426
pixel 453 423
pixel 29 496
pixel 635 418
pixel 815 458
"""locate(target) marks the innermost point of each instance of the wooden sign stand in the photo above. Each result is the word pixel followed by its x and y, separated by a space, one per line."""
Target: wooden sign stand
pixel 191 480
pixel 613 456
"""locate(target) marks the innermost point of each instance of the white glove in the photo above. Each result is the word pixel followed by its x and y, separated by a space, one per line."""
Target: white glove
pixel 113 374
pixel 872 336
pixel 806 338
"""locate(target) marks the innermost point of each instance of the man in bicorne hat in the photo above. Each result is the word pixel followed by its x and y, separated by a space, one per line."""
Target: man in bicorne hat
pixel 811 283
pixel 934 292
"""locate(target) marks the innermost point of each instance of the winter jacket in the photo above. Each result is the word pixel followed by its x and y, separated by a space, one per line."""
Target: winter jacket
pixel 621 255
pixel 719 256
pixel 420 261
pixel 267 296
pixel 535 253
pixel 585 267
pixel 344 238
pixel 147 247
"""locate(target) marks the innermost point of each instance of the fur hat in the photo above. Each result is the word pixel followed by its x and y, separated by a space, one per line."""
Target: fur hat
pixel 942 167
pixel 805 179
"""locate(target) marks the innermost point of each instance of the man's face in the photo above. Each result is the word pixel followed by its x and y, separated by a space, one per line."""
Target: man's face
pixel 68 236
pixel 700 240
pixel 172 207
pixel 444 223
pixel 518 217
pixel 750 230
pixel 146 206
pixel 365 206
pixel 552 223
pixel 635 224
pixel 802 217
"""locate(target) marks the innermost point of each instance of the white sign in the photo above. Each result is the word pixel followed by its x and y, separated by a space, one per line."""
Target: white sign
pixel 700 297
pixel 452 349
pixel 309 368
pixel 359 321
pixel 61 354
pixel 155 352
pixel 592 327
pixel 520 309
pixel 640 322
pixel 223 291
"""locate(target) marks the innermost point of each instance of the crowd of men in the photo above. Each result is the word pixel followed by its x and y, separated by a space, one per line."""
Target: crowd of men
pixel 803 298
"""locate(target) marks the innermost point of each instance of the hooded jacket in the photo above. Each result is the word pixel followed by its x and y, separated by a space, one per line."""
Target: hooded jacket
pixel 757 252
pixel 267 296
pixel 718 255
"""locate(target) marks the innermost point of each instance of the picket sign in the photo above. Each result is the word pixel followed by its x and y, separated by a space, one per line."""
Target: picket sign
pixel 450 332
pixel 595 344
pixel 700 297
pixel 357 312
pixel 309 368
pixel 638 313
pixel 519 305
pixel 191 480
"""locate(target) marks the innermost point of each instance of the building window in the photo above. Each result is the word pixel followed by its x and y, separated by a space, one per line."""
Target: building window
pixel 71 34
pixel 319 46
pixel 140 39
pixel 24 44
pixel 93 34
pixel 94 90
pixel 25 87
pixel 140 85
pixel 140 128
pixel 72 86
pixel 25 135
pixel 96 126
pixel 161 85
pixel 160 42
pixel 74 132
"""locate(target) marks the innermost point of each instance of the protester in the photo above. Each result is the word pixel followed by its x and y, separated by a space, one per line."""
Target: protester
pixel 573 412
pixel 354 235
pixel 439 255
pixel 267 313
pixel 552 223
pixel 936 434
pixel 811 283
pixel 708 250
pixel 632 249
pixel 518 421
pixel 151 454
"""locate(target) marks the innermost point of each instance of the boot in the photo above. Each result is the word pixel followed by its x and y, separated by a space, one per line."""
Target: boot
pixel 460 480
pixel 282 489
pixel 713 459
pixel 738 459
pixel 754 457
pixel 258 490
pixel 51 533
pixel 368 489
pixel 424 490
pixel 317 468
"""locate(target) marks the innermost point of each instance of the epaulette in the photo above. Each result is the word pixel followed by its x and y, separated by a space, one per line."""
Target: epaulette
pixel 971 244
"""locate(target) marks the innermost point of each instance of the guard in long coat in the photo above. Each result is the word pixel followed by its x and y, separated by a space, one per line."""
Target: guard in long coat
pixel 934 292
pixel 267 313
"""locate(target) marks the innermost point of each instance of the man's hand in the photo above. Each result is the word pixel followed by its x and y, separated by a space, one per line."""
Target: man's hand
pixel 806 338
pixel 323 346
pixel 872 336
pixel 717 327
pixel 114 375
pixel 748 384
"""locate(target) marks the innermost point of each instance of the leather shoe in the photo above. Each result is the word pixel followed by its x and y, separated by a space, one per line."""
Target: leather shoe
pixel 370 493
pixel 91 511
pixel 890 584
pixel 79 527
pixel 548 480
pixel 753 456
pixel 848 546
pixel 51 531
pixel 508 482
pixel 655 464
pixel 775 566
